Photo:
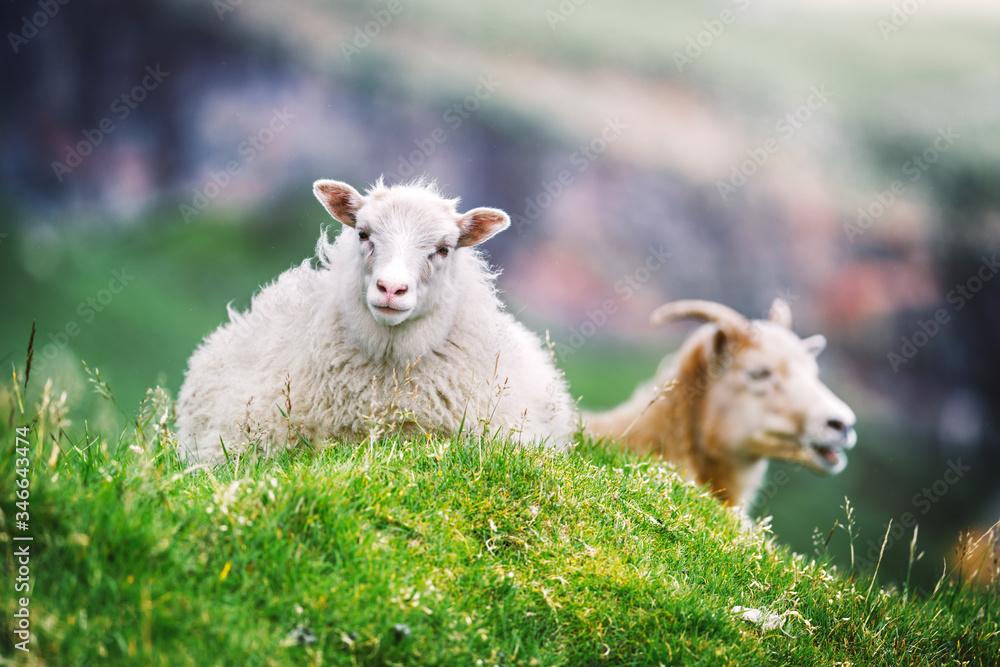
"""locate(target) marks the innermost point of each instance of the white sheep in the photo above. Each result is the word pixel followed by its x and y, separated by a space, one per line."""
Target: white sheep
pixel 397 327
pixel 736 394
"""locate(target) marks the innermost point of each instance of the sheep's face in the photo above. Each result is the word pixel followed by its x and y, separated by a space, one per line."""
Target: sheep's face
pixel 407 237
pixel 769 402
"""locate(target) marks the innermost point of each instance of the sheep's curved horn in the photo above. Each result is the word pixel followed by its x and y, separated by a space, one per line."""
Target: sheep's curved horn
pixel 707 311
pixel 780 313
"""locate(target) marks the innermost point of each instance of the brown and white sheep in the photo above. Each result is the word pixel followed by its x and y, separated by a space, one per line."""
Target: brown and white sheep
pixel 736 394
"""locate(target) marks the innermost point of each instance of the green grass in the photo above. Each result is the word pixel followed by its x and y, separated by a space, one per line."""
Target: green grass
pixel 179 279
pixel 425 552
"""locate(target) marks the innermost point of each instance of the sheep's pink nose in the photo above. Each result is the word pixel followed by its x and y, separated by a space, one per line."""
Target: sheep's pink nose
pixel 393 289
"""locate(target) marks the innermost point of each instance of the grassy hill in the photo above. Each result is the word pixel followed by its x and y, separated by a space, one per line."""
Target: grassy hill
pixel 467 551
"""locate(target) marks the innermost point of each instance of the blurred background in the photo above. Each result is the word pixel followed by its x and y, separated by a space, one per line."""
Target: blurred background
pixel 156 161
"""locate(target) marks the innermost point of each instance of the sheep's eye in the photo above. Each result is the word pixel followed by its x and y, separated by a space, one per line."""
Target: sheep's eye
pixel 443 251
pixel 759 373
pixel 362 235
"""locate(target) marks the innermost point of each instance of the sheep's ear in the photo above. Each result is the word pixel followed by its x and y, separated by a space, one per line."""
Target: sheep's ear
pixel 719 341
pixel 480 224
pixel 815 344
pixel 780 313
pixel 339 199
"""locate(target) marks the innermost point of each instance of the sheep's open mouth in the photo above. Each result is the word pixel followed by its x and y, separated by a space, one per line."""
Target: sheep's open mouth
pixel 831 455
